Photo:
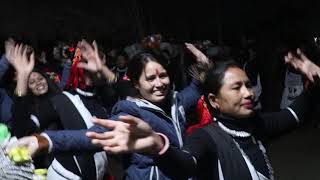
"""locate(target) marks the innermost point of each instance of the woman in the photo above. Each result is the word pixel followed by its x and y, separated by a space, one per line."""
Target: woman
pixel 32 91
pixel 233 146
pixel 163 109
pixel 6 75
pixel 39 105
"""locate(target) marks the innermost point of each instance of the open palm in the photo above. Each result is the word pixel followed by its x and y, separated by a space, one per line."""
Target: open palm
pixel 303 64
pixel 201 58
pixel 129 134
pixel 91 56
pixel 18 58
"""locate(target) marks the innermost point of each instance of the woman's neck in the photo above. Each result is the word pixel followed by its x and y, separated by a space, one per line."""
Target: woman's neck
pixel 164 105
pixel 244 124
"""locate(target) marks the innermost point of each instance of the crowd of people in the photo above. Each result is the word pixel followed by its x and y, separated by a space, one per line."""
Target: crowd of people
pixel 152 110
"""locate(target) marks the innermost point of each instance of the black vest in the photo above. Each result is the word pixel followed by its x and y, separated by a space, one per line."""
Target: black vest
pixel 232 162
pixel 72 120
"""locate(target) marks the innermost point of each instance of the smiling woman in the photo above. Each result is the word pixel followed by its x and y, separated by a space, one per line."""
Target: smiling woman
pixel 37 84
pixel 37 106
pixel 154 103
pixel 236 94
pixel 150 78
pixel 233 146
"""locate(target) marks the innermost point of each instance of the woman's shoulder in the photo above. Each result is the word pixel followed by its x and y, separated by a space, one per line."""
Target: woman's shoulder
pixel 135 109
pixel 125 106
pixel 204 131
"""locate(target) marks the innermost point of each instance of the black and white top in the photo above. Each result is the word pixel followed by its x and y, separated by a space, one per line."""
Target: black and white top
pixel 63 111
pixel 230 148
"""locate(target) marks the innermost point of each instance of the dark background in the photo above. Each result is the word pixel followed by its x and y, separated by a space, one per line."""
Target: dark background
pixel 122 22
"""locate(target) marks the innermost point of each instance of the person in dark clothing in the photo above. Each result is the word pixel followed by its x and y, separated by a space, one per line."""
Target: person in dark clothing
pixel 230 148
pixel 8 85
pixel 120 69
pixel 39 104
pixel 153 102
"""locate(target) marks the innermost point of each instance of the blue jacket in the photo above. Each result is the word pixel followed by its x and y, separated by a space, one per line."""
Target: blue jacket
pixel 5 107
pixel 173 125
pixel 5 100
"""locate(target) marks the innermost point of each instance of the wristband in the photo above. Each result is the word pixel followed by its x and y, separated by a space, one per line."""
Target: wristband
pixel 43 143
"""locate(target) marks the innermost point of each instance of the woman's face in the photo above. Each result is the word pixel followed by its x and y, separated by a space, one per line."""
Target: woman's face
pixel 154 83
pixel 235 98
pixel 37 84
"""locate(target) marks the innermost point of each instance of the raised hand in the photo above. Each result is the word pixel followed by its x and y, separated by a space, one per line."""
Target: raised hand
pixel 94 61
pixel 129 134
pixel 303 64
pixel 201 58
pixel 18 58
pixel 91 55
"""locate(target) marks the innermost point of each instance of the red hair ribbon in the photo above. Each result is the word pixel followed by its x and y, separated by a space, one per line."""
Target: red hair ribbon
pixel 71 49
pixel 76 78
pixel 203 115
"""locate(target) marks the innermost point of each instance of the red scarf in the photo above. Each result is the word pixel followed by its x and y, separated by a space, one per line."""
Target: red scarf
pixel 203 115
pixel 76 78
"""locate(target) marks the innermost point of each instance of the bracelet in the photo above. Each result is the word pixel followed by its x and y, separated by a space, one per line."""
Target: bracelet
pixel 166 143
pixel 43 143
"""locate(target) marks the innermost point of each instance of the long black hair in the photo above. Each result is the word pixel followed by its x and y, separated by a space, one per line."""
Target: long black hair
pixel 43 101
pixel 52 87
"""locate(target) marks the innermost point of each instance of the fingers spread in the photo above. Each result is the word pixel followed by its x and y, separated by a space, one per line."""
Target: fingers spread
pixel 105 122
pixel 20 49
pixel 16 49
pixel 86 45
pixel 95 46
pixel 310 77
pixel 32 61
pixel 131 120
pixel 24 53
